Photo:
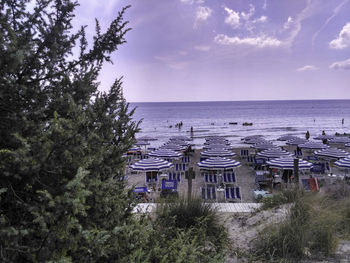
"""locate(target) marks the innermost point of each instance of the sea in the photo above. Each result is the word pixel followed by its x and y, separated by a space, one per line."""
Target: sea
pixel 270 119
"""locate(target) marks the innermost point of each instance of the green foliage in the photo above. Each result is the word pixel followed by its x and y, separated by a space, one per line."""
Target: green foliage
pixel 313 226
pixel 205 238
pixel 284 197
pixel 61 140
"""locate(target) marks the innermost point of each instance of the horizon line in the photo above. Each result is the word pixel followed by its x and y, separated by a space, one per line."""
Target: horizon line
pixel 183 101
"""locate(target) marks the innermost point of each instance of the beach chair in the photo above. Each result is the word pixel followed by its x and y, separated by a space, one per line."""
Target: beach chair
pixel 209 193
pixel 229 178
pixel 244 152
pixel 238 193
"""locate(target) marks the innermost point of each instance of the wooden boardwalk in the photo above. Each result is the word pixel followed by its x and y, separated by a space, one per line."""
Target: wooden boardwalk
pixel 221 207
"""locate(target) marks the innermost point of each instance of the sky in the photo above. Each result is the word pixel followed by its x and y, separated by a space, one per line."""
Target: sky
pixel 227 50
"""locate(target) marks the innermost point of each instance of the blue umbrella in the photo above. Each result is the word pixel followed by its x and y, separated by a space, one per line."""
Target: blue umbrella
pixel 340 140
pixel 296 141
pixel 287 163
pixel 151 165
pixel 174 147
pixel 287 137
pixel 217 153
pixel 313 145
pixel 347 145
pixel 343 163
pixel 165 154
pixel 218 163
pixel 332 153
pixel 273 153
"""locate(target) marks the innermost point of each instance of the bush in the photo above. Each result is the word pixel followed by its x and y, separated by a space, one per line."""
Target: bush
pixel 284 197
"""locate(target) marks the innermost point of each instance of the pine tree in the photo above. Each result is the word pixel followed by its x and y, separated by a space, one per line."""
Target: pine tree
pixel 61 193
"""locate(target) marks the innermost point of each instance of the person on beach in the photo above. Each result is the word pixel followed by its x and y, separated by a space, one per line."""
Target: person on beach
pixel 342 121
pixel 307 135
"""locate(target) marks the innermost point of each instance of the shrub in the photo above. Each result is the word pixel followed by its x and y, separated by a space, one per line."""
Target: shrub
pixel 284 197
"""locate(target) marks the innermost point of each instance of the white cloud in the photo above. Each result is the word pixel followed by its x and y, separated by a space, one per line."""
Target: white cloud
pixel 307 68
pixel 202 48
pixel 261 19
pixel 288 23
pixel 341 65
pixel 249 14
pixel 203 13
pixel 260 41
pixel 335 12
pixel 343 39
pixel 297 23
pixel 191 2
pixel 232 18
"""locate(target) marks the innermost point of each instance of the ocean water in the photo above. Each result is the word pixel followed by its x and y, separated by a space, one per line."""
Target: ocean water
pixel 270 119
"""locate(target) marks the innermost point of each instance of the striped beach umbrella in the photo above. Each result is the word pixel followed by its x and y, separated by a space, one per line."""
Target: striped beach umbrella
pixel 178 142
pixel 247 138
pixel 332 153
pixel 324 137
pixel 142 143
pixel 165 154
pixel 151 165
pixel 347 145
pixel 343 163
pixel 264 145
pixel 273 153
pixel 340 140
pixel 297 141
pixel 217 153
pixel 218 163
pixel 146 138
pixel 180 137
pixel 287 163
pixel 217 146
pixel 313 145
pixel 174 147
pixel 255 140
pixel 226 142
pixel 288 137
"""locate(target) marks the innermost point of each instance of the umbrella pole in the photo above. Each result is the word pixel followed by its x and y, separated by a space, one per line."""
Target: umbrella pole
pixel 296 171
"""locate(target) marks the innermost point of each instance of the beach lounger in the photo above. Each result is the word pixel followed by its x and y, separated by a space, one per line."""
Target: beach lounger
pixel 209 193
pixel 229 178
pixel 232 193
pixel 238 193
pixel 244 153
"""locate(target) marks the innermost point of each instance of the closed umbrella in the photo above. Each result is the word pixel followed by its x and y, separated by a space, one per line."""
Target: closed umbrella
pixel 287 163
pixel 218 163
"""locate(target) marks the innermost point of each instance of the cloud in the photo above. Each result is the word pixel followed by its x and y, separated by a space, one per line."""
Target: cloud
pixel 261 19
pixel 247 16
pixel 297 23
pixel 191 2
pixel 341 65
pixel 202 48
pixel 335 12
pixel 343 39
pixel 259 41
pixel 308 68
pixel 288 23
pixel 203 13
pixel 232 18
